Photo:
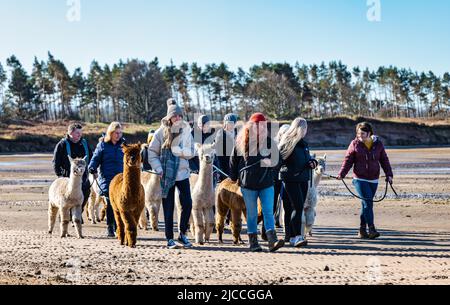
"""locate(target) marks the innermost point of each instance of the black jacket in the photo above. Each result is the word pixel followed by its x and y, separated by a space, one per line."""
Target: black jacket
pixel 296 168
pixel 61 163
pixel 255 177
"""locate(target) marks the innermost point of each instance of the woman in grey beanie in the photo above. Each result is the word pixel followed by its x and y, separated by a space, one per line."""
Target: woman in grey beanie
pixel 169 153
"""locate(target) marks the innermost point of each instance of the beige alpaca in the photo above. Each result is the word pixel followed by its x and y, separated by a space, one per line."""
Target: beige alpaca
pixel 202 192
pixel 65 195
pixel 153 200
pixel 309 210
pixel 96 210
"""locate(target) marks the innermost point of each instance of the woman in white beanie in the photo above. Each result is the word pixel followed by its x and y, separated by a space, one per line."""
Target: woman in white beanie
pixel 169 153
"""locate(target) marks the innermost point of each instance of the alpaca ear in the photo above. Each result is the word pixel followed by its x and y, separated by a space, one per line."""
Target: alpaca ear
pixel 70 159
pixel 198 146
pixel 85 158
pixel 325 156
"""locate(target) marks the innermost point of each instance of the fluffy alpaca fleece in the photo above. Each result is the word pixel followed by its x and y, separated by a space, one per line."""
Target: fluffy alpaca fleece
pixel 127 196
pixel 65 195
pixel 153 200
pixel 202 192
pixel 309 211
pixel 96 211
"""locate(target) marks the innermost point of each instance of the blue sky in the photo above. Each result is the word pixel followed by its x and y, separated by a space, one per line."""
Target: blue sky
pixel 412 33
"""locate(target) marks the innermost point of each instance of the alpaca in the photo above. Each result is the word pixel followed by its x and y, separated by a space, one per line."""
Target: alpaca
pixel 153 200
pixel 96 211
pixel 127 196
pixel 66 195
pixel 202 192
pixel 309 210
pixel 229 197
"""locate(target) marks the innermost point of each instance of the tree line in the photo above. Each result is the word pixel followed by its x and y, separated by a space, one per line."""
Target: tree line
pixel 135 91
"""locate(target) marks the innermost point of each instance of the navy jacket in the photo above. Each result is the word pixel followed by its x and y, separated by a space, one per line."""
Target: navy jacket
pixel 109 158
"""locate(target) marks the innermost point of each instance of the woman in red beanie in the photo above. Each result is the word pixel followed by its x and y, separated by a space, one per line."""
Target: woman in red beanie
pixel 252 162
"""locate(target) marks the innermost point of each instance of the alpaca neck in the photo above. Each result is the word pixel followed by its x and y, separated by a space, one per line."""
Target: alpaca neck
pixel 205 175
pixel 132 179
pixel 74 184
pixel 316 179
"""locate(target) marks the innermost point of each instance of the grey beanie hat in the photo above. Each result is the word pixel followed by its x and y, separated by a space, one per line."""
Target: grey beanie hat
pixel 172 109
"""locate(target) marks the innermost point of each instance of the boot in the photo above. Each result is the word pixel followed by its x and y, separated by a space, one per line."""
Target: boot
pixel 274 242
pixel 254 245
pixel 363 233
pixel 373 234
pixel 110 232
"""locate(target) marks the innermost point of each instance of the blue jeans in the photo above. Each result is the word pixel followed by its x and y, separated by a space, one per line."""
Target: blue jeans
pixel 366 190
pixel 251 202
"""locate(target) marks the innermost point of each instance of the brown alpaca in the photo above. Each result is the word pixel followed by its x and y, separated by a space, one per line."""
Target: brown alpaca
pixel 127 196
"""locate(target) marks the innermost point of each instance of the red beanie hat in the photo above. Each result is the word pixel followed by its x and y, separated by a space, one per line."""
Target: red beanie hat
pixel 258 117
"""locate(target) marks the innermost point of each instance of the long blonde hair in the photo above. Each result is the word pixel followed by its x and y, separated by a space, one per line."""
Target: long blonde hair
pixel 111 129
pixel 292 136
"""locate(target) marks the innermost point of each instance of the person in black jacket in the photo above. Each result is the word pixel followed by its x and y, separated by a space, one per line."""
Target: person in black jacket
pixel 225 140
pixel 295 173
pixel 252 165
pixel 77 147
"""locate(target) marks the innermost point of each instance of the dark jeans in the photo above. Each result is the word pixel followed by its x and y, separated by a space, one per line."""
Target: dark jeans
pixel 294 196
pixel 110 220
pixel 366 190
pixel 184 190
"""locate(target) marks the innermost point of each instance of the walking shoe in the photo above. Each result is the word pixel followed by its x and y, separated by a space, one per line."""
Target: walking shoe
pixel 171 244
pixel 373 233
pixel 363 233
pixel 274 242
pixel 184 241
pixel 300 241
pixel 292 241
pixel 254 245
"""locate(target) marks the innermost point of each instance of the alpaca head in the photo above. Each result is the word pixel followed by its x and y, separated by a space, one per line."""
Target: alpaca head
pixel 78 166
pixel 132 155
pixel 206 152
pixel 322 167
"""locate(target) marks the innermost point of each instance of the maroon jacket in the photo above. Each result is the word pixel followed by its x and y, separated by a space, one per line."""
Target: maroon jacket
pixel 366 164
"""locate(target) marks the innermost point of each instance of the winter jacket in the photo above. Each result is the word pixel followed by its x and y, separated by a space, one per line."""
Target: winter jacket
pixel 366 163
pixel 144 158
pixel 109 158
pixel 255 177
pixel 224 147
pixel 296 167
pixel 61 163
pixel 184 150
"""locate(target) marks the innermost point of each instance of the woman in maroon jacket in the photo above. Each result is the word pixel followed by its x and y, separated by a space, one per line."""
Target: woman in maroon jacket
pixel 366 153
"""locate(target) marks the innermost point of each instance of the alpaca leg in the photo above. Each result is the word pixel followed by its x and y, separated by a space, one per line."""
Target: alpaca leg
pixel 130 229
pixel 309 220
pixel 52 213
pixel 199 225
pixel 91 208
pixel 209 222
pixel 120 232
pixel 303 228
pixel 143 220
pixel 65 219
pixel 222 211
pixel 77 214
pixel 236 227
pixel 103 210
pixel 192 224
pixel 154 213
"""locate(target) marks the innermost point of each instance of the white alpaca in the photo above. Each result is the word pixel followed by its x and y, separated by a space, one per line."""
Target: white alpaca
pixel 96 210
pixel 65 195
pixel 153 200
pixel 202 192
pixel 309 210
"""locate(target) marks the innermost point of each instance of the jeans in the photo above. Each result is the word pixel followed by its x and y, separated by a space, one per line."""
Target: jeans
pixel 294 197
pixel 366 190
pixel 251 202
pixel 184 190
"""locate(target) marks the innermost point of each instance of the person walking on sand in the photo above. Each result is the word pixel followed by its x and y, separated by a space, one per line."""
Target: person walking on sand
pixel 365 154
pixel 75 146
pixel 252 165
pixel 108 156
pixel 169 153
pixel 225 141
pixel 295 173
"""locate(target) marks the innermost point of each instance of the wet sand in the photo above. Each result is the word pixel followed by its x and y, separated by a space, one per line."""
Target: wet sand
pixel 414 247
